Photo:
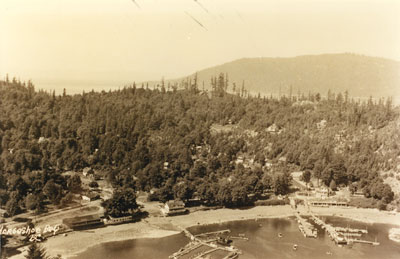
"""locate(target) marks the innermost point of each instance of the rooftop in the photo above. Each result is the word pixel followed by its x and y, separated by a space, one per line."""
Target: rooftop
pixel 175 204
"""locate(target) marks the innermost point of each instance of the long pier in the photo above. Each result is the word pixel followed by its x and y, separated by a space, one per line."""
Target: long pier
pixel 199 256
pixel 346 234
pixel 185 250
pixel 200 240
pixel 363 242
pixel 188 234
pixel 305 227
pixel 351 230
pixel 213 233
pixel 335 235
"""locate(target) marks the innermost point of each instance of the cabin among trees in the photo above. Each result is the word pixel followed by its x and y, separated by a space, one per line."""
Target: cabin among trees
pixel 141 139
pixel 173 208
pixel 90 196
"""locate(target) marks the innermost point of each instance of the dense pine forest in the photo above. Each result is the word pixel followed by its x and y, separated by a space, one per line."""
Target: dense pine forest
pixel 179 142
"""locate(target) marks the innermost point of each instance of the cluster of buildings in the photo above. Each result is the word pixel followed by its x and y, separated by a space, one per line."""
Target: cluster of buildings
pixel 94 220
pixel 170 208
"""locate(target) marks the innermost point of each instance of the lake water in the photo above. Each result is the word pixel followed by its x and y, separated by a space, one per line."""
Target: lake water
pixel 263 242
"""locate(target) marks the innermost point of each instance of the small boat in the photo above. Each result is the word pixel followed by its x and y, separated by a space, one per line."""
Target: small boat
pixel 224 241
pixel 295 247
pixel 280 235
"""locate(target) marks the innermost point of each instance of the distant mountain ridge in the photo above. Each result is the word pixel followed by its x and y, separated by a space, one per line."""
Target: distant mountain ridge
pixel 361 76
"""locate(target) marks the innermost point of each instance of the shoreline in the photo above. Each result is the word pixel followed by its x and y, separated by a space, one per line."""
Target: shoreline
pixel 77 242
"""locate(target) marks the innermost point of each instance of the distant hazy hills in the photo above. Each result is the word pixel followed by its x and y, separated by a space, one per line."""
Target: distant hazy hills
pixel 361 76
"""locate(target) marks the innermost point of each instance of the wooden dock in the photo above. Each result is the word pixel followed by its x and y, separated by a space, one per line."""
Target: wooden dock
pixel 306 228
pixel 351 230
pixel 341 235
pixel 185 250
pixel 331 230
pixel 363 242
pixel 346 234
pixel 200 256
pixel 205 240
pixel 226 231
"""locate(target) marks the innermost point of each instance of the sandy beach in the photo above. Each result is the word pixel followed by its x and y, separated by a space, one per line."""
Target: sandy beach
pixel 363 215
pixel 155 227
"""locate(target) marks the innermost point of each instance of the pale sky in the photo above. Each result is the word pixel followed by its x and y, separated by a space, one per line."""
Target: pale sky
pixel 112 42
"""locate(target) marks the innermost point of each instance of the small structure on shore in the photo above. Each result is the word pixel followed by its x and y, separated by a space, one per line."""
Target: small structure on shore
pixel 119 220
pixel 174 207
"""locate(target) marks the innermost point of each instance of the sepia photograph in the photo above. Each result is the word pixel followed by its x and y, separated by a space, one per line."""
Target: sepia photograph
pixel 199 129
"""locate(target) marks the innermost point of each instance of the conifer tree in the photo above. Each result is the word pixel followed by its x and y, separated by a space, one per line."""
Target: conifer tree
pixel 35 251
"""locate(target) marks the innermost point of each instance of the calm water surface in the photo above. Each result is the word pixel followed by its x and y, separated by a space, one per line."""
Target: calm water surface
pixel 263 242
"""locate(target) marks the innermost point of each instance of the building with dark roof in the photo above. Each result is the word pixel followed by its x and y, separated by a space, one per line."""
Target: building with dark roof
pixel 83 221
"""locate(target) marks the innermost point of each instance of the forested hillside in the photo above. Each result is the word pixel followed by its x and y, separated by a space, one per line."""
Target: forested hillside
pixel 187 143
pixel 361 76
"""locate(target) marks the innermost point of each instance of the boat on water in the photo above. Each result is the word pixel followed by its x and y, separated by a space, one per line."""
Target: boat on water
pixel 295 247
pixel 224 241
